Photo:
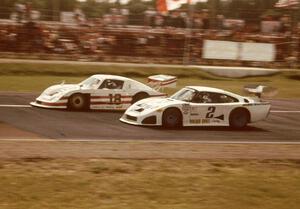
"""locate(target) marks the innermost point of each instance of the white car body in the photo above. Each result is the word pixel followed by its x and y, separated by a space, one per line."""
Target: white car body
pixel 98 94
pixel 150 112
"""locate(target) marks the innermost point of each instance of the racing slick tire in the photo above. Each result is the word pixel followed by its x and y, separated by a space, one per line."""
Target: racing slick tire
pixel 172 118
pixel 78 102
pixel 139 96
pixel 239 118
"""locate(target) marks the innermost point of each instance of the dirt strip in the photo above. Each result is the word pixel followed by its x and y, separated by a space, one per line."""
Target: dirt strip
pixel 143 150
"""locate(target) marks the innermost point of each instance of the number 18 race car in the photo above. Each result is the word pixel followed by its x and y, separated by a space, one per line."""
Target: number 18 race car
pixel 97 92
pixel 197 106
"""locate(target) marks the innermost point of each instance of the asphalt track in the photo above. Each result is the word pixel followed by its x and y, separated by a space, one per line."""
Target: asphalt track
pixel 283 124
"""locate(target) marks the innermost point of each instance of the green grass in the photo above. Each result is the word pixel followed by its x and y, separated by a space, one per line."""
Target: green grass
pixel 162 184
pixel 37 77
pixel 87 70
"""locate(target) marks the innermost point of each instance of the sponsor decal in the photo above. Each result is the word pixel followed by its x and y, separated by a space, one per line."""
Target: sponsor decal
pixel 195 121
pixel 221 117
pixel 186 108
pixel 205 121
pixel 215 121
pixel 200 121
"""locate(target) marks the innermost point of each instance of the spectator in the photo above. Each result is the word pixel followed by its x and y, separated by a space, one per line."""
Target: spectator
pixel 20 10
pixel 205 19
pixel 220 22
pixel 197 22
pixel 149 16
pixel 114 12
pixel 125 13
pixel 28 9
pixel 159 21
pixel 79 16
pixel 285 24
pixel 176 20
pixel 159 43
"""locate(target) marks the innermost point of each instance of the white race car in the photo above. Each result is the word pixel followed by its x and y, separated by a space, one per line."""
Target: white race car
pixel 108 92
pixel 197 106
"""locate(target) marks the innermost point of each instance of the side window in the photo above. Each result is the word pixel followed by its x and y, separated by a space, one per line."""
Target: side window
pixel 202 97
pixel 222 98
pixel 209 97
pixel 112 84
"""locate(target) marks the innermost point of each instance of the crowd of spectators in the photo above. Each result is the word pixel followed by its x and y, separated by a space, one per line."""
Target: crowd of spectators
pixel 160 37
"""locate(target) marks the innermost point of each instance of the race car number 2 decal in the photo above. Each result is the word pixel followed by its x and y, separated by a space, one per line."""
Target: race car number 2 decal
pixel 211 111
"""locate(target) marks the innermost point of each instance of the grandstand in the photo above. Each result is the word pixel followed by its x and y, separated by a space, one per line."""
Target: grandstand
pixel 172 39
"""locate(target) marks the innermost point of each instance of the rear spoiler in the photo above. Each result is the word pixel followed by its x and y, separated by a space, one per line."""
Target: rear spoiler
pixel 261 90
pixel 159 82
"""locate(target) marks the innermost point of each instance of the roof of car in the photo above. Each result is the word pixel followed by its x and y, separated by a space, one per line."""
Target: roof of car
pixel 137 83
pixel 209 89
pixel 215 90
pixel 105 76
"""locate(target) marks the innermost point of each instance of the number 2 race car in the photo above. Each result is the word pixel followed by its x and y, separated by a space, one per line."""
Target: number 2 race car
pixel 197 106
pixel 97 92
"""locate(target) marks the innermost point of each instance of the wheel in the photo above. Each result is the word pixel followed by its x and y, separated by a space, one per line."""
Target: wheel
pixel 77 102
pixel 172 118
pixel 139 96
pixel 239 118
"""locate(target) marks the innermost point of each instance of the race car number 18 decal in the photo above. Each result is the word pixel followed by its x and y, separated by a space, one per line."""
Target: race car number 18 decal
pixel 210 113
pixel 115 99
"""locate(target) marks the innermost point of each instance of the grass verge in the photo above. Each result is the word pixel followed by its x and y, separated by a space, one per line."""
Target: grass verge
pixel 163 184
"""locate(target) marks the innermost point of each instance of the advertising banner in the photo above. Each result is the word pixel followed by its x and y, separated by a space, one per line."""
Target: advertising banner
pixel 228 50
pixel 258 52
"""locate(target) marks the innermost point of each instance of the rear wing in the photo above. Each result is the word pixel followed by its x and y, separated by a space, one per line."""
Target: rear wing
pixel 261 90
pixel 159 82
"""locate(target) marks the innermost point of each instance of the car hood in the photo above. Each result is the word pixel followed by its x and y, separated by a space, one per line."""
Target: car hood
pixel 55 92
pixel 154 103
pixel 60 88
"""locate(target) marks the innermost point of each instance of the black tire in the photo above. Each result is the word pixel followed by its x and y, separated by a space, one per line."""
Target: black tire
pixel 239 118
pixel 172 118
pixel 139 96
pixel 78 102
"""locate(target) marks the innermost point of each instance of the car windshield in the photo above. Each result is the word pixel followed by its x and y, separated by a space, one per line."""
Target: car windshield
pixel 90 82
pixel 184 95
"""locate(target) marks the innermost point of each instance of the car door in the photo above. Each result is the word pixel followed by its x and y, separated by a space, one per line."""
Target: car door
pixel 208 109
pixel 109 95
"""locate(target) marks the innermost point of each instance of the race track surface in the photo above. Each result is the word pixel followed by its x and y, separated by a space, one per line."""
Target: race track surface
pixel 105 125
